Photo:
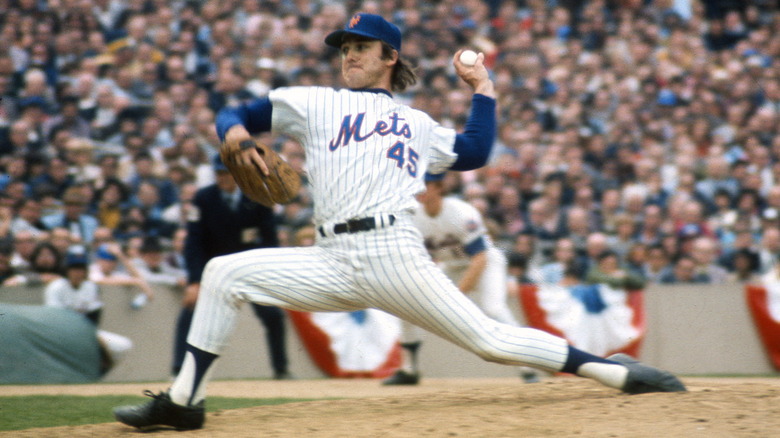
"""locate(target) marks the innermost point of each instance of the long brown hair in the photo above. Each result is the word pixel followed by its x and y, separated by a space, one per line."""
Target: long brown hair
pixel 403 74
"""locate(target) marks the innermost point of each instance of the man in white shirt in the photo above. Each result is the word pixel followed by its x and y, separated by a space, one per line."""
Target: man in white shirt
pixel 456 237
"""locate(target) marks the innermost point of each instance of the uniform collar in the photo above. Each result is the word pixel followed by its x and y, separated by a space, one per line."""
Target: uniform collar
pixel 374 90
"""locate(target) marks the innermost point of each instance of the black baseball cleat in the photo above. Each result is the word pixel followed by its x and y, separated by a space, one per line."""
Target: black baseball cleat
pixel 284 375
pixel 644 378
pixel 161 411
pixel 402 377
pixel 530 376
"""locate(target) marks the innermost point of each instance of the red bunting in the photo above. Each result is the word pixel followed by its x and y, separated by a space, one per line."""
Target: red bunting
pixel 537 317
pixel 318 344
pixel 768 328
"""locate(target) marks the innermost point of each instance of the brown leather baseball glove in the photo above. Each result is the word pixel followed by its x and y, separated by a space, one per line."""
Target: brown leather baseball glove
pixel 278 187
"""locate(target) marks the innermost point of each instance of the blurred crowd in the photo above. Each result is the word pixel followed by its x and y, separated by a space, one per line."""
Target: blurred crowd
pixel 648 130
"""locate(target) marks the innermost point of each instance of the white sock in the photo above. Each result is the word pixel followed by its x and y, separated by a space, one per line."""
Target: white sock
pixel 612 375
pixel 182 391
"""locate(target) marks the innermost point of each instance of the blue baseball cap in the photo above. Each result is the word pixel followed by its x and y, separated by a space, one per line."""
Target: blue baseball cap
pixel 370 26
pixel 104 254
pixel 433 177
pixel 468 24
pixel 76 261
pixel 690 230
pixel 33 101
pixel 667 98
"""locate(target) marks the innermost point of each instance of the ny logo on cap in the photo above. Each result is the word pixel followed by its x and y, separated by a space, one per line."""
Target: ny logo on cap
pixel 354 21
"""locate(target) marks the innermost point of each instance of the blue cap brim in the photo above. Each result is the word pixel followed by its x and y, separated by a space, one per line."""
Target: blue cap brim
pixel 334 39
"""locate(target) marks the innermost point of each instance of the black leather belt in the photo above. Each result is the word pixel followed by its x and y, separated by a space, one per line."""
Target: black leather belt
pixel 357 225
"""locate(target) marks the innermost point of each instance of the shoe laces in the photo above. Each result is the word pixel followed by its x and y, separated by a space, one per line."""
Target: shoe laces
pixel 159 396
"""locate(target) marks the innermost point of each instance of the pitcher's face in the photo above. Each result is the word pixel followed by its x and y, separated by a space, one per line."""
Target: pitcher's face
pixel 362 65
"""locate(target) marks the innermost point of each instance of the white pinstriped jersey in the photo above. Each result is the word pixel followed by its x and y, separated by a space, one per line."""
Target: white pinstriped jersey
pixel 446 236
pixel 457 224
pixel 367 154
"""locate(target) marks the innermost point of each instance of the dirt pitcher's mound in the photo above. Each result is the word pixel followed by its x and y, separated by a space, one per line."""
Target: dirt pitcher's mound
pixel 559 407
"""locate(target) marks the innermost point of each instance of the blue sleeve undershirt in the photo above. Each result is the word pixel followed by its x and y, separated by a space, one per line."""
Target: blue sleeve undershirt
pixel 255 116
pixel 474 145
pixel 476 247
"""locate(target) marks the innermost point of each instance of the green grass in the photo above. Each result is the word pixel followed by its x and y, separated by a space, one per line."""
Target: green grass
pixel 24 412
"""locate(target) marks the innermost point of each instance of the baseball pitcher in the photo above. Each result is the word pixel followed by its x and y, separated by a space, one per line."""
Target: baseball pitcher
pixel 366 155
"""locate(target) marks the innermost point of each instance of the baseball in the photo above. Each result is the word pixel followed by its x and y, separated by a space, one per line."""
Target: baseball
pixel 468 57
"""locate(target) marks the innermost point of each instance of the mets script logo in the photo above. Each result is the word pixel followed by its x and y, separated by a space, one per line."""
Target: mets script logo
pixel 449 244
pixel 351 130
pixel 354 21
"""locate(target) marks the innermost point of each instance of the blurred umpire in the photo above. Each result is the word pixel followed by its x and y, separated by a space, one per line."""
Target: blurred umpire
pixel 224 221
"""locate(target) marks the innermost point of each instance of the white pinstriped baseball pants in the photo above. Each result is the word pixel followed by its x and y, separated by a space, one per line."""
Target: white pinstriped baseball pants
pixel 388 269
pixel 490 290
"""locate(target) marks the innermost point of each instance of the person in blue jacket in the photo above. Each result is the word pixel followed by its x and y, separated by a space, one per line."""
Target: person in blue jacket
pixel 224 221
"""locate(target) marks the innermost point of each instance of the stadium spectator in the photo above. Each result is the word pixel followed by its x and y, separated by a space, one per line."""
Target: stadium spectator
pixel 564 255
pixel 608 271
pixel 18 140
pixel 56 177
pixel 113 267
pixel 717 178
pixel 651 225
pixel 61 239
pixel 75 291
pixel 78 153
pixel 110 203
pixel 657 265
pixel 24 245
pixel 636 260
pixel 28 218
pixel 74 217
pixel 102 234
pixel 175 216
pixel 517 273
pixel 507 211
pixel 543 223
pixel 704 252
pixel 578 225
pixel 147 169
pixel 67 118
pixel 175 256
pixel 769 249
pixel 9 276
pixel 684 272
pixel 526 246
pixel 153 265
pixel 745 267
pixel 625 235
pixel 609 208
pixel 45 265
pixel 596 244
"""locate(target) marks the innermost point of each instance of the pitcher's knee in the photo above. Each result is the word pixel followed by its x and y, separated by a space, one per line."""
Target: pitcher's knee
pixel 215 267
pixel 214 275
